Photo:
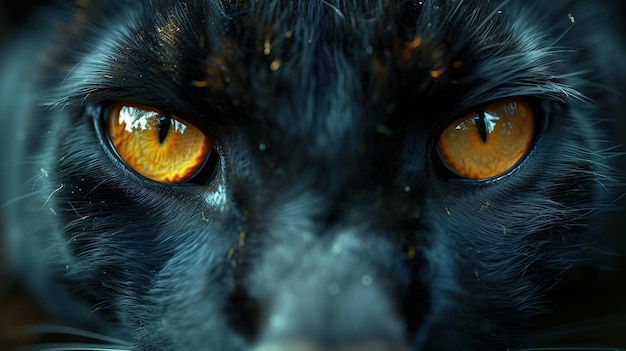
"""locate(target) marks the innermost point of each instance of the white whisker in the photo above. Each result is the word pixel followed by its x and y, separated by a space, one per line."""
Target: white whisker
pixel 76 347
pixel 64 330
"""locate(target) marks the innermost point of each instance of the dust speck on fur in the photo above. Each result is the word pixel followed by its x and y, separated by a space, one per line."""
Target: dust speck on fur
pixel 384 130
pixel 242 238
pixel 275 65
pixel 367 280
pixel 231 252
pixel 571 18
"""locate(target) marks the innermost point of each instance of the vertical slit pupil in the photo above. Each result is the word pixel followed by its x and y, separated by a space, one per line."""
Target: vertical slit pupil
pixel 165 123
pixel 481 125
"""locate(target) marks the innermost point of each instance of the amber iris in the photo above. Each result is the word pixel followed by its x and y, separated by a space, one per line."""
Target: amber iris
pixel 160 147
pixel 488 142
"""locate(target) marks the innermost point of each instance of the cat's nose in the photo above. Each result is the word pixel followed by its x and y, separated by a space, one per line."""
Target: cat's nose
pixel 303 345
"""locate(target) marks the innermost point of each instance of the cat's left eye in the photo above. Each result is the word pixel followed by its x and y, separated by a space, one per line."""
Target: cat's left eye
pixel 490 141
pixel 158 146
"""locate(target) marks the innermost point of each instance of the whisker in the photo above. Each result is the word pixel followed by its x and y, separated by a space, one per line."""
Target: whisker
pixel 64 330
pixel 75 347
pixel 18 199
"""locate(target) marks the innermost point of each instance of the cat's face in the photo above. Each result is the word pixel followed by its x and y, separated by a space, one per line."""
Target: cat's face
pixel 294 175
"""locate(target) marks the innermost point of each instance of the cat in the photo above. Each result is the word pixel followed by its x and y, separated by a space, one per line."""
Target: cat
pixel 307 175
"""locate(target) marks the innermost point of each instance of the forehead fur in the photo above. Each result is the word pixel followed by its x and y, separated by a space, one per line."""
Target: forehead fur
pixel 250 51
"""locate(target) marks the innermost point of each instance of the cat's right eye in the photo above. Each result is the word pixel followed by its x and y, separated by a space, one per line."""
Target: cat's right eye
pixel 158 146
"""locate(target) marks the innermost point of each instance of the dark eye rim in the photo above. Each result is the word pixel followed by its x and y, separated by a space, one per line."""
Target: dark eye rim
pixel 206 175
pixel 445 173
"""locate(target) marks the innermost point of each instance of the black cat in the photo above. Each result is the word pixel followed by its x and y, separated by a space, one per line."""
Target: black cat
pixel 306 175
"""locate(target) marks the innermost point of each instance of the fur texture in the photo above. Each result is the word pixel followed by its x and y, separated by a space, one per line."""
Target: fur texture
pixel 329 218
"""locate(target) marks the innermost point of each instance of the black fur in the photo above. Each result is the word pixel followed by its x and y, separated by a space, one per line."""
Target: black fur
pixel 329 218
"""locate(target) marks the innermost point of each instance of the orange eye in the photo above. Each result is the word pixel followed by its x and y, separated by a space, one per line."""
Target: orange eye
pixel 160 147
pixel 489 142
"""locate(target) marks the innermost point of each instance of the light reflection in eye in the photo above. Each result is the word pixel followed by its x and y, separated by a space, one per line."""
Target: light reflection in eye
pixel 135 119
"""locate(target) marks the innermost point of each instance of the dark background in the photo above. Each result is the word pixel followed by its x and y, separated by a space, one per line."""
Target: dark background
pixel 16 308
pixel 599 319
